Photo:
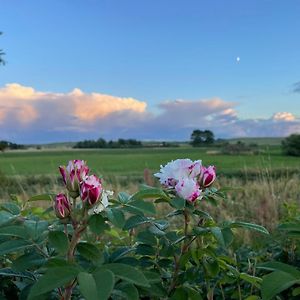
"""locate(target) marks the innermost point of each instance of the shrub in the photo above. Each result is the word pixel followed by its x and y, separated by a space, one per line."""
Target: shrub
pixel 90 245
pixel 291 145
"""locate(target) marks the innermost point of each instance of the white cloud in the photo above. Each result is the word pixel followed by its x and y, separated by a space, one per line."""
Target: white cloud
pixel 27 115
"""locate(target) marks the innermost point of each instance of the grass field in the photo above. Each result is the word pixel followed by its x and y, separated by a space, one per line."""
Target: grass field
pixel 134 161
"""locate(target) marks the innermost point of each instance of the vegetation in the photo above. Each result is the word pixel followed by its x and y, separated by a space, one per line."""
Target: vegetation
pixel 202 138
pixel 5 145
pixel 291 145
pixel 101 143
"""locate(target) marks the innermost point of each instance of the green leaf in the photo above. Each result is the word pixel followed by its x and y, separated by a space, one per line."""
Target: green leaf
pixel 279 266
pixel 128 273
pixel 123 197
pixel 11 208
pixel 129 291
pixel 87 286
pixel 6 217
pixel 143 249
pixel 150 193
pixel 88 251
pixel 135 221
pixel 59 241
pixel 152 277
pixel 116 216
pixel 97 224
pixel 296 292
pixel 211 266
pixel 217 233
pixel 238 224
pixel 43 197
pixel 178 203
pixel 15 231
pixel 7 272
pixel 13 246
pixel 256 281
pixel 52 279
pixel 28 261
pixel 227 235
pixel 202 214
pixel 146 237
pixel 275 283
pixel 142 206
pixel 105 281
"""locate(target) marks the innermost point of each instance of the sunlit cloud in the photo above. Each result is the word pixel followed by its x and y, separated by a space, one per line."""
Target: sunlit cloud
pixel 29 116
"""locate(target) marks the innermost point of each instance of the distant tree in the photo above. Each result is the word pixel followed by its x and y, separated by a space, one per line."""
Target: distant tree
pixel 2 61
pixel 291 145
pixel 202 138
pixel 3 145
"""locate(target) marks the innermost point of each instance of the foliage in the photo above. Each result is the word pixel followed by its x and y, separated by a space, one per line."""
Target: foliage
pixel 239 148
pixel 124 250
pixel 202 138
pixel 5 145
pixel 291 145
pixel 102 143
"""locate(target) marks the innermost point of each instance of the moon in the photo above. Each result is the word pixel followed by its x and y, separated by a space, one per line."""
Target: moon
pixel 238 59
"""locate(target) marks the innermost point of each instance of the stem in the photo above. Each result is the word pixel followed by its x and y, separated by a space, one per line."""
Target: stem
pixel 183 250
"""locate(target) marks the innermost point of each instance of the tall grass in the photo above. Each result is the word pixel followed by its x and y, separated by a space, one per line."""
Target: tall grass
pixel 258 198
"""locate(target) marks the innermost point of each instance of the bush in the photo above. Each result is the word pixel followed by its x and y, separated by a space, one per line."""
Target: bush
pixel 291 145
pixel 90 245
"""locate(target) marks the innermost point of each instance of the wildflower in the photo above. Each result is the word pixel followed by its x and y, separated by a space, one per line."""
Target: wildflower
pixel 91 189
pixel 177 170
pixel 73 175
pixel 188 189
pixel 62 206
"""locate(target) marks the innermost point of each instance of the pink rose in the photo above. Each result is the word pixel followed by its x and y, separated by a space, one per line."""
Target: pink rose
pixel 208 176
pixel 62 206
pixel 73 175
pixel 91 189
pixel 188 189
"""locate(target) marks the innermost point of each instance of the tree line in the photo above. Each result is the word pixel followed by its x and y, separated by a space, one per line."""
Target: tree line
pixel 102 143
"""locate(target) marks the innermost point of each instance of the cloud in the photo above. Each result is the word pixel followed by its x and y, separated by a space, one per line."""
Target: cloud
pixel 29 116
pixel 296 87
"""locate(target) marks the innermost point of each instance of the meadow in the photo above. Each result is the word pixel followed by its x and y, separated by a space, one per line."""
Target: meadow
pixel 261 183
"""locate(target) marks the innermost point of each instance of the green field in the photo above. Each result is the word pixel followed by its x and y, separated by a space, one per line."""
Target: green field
pixel 134 161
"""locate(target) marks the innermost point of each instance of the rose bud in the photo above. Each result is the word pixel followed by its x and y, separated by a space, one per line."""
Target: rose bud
pixel 62 206
pixel 91 190
pixel 188 189
pixel 208 176
pixel 73 175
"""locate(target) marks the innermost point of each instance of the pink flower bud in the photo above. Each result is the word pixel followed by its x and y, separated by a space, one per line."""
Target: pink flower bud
pixel 188 189
pixel 62 206
pixel 91 189
pixel 73 175
pixel 208 176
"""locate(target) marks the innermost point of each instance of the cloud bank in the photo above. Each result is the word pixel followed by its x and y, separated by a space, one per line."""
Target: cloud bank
pixel 30 116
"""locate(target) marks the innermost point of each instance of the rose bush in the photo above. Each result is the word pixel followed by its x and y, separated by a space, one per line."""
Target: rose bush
pixel 93 246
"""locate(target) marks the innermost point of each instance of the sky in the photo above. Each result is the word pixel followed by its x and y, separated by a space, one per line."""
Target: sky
pixel 151 70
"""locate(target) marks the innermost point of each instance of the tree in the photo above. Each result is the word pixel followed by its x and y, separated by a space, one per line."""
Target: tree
pixel 202 138
pixel 2 61
pixel 291 145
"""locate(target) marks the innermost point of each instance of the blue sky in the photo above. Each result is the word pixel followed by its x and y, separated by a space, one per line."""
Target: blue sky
pixel 155 51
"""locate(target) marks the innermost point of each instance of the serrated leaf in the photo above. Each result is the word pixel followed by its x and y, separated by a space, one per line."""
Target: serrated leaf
pixel 15 231
pixel 178 203
pixel 123 197
pixel 27 261
pixel 59 241
pixel 11 207
pixel 146 237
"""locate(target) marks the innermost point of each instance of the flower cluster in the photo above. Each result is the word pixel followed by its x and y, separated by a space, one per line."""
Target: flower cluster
pixel 78 182
pixel 187 177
